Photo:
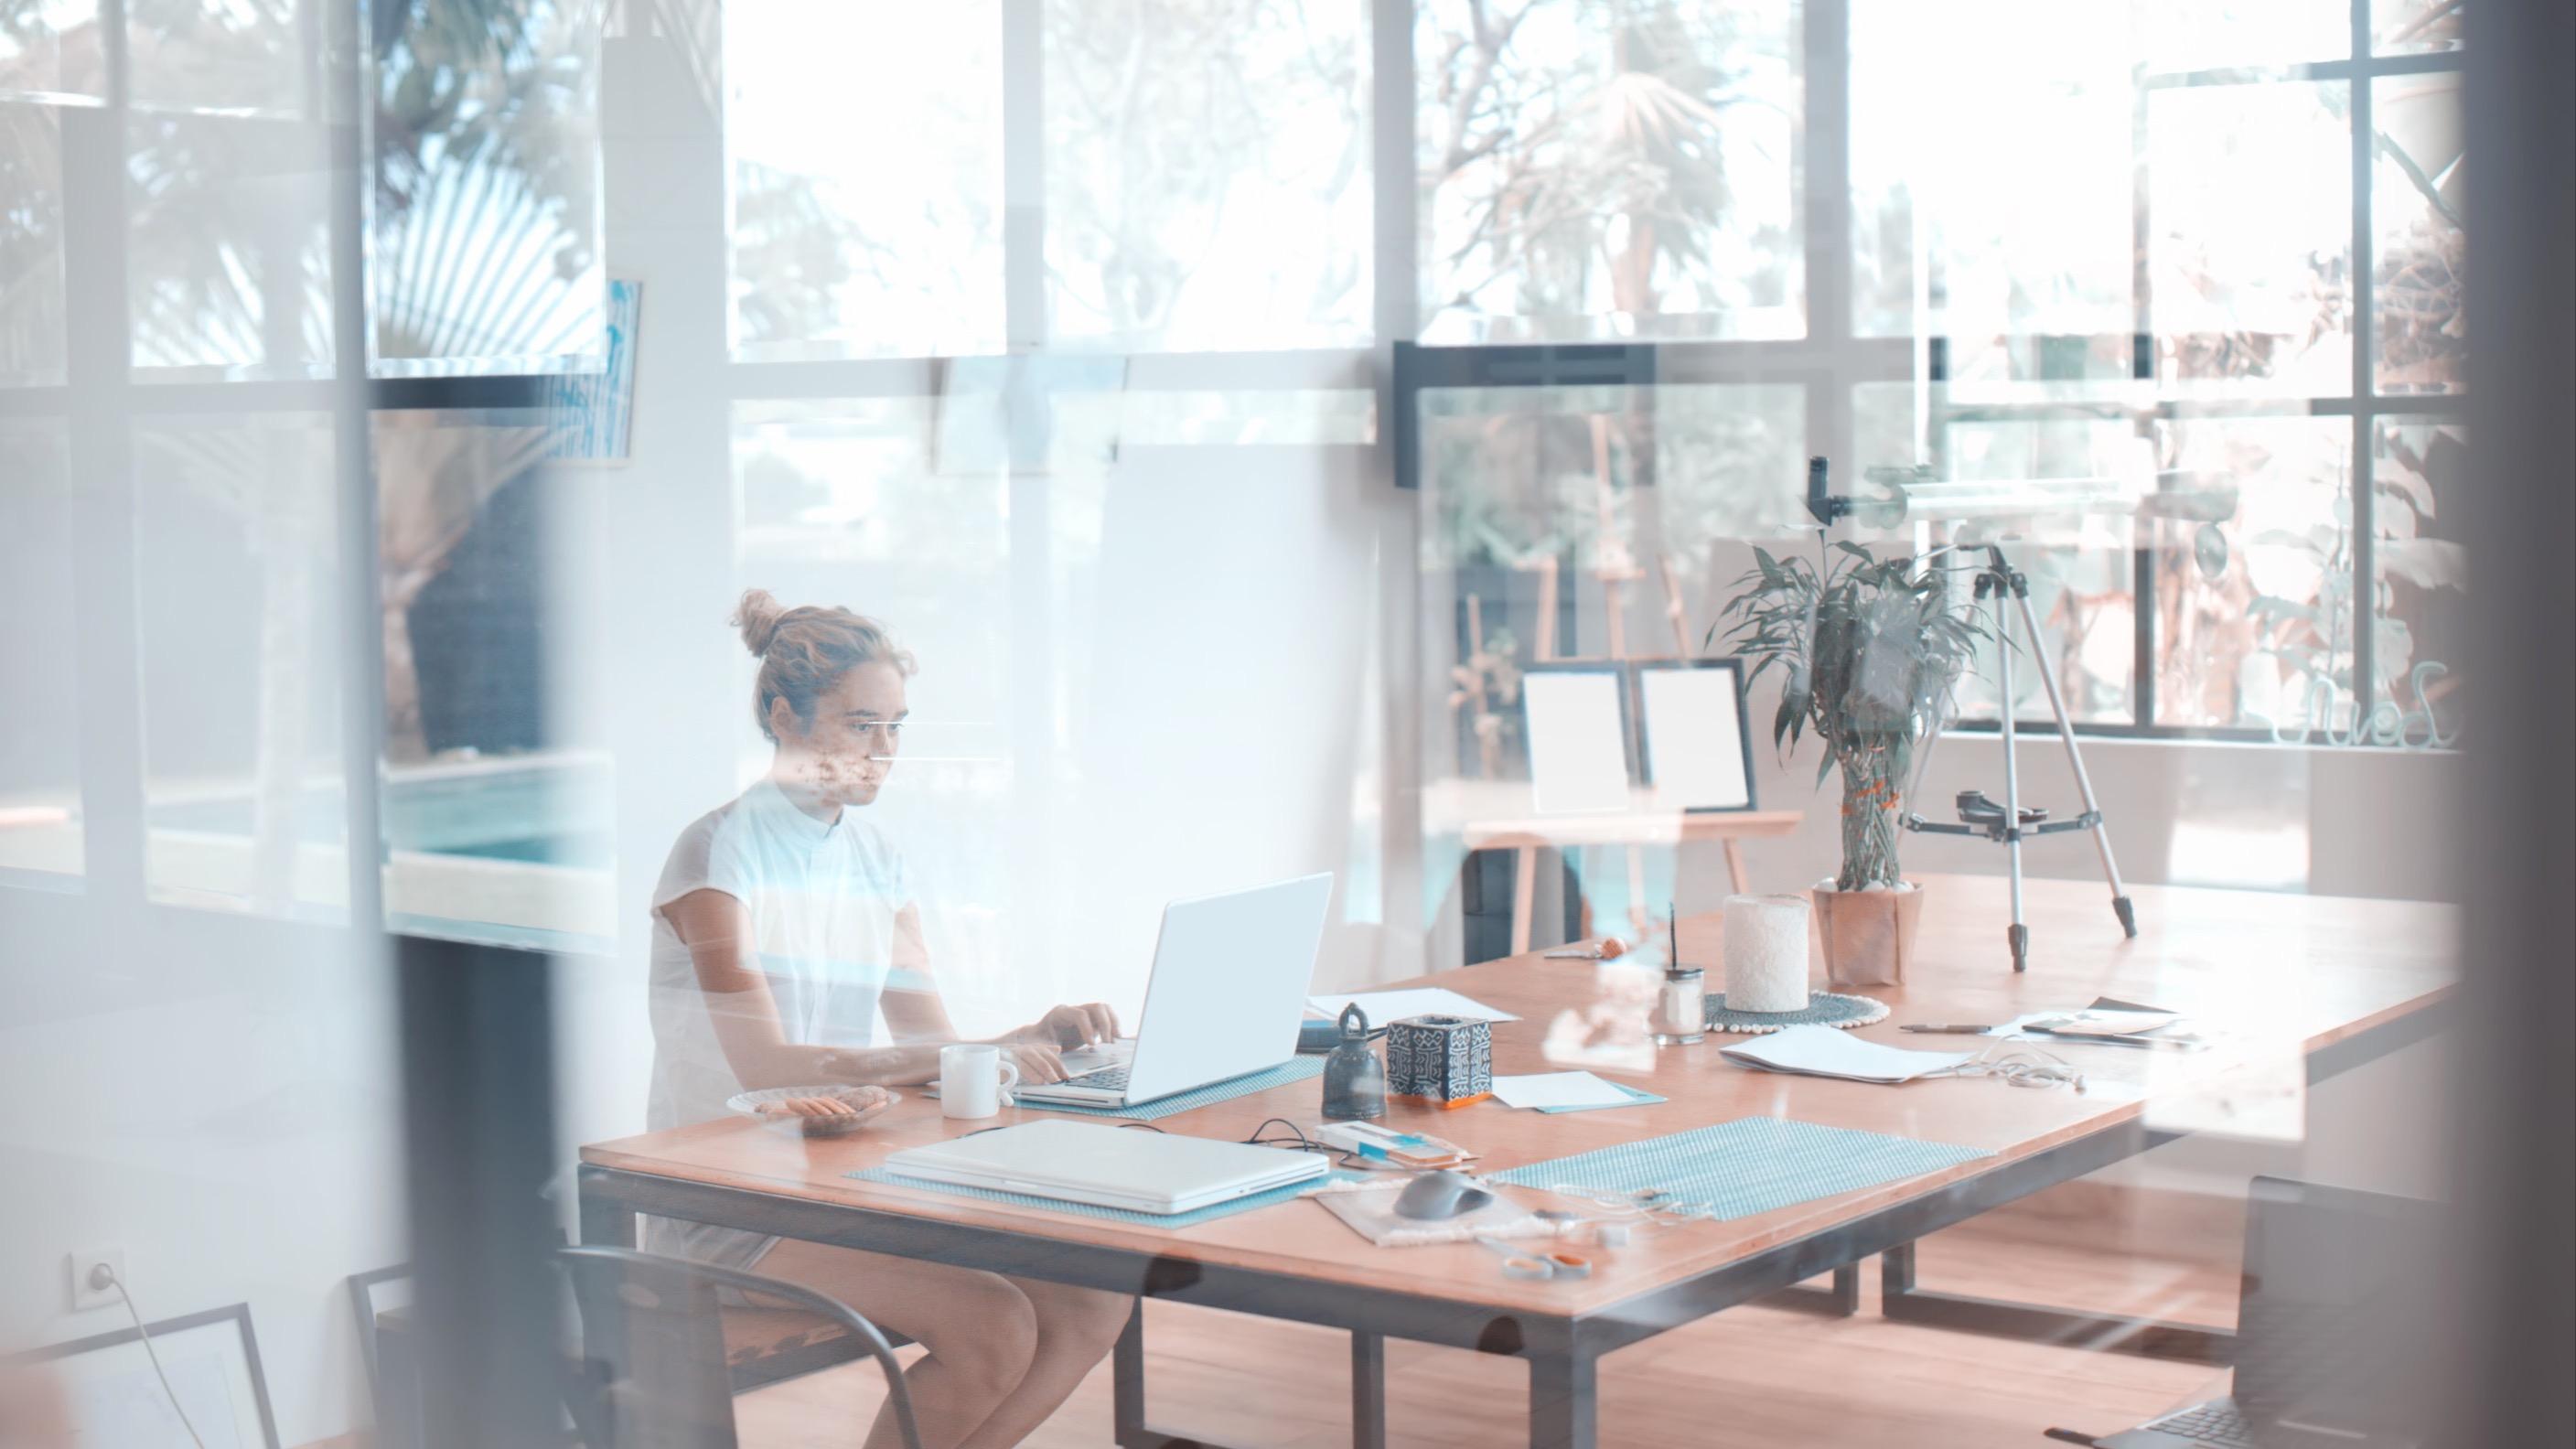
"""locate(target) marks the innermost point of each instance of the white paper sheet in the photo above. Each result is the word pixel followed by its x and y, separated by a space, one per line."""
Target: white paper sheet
pixel 1694 738
pixel 1559 1089
pixel 1385 1006
pixel 1821 1051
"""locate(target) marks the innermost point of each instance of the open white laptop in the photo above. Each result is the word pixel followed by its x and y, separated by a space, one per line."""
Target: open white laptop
pixel 1228 989
pixel 1093 1162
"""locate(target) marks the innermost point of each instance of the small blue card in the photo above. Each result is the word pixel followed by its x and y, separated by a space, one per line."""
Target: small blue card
pixel 1636 1098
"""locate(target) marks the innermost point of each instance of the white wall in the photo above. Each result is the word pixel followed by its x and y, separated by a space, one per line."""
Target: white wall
pixel 217 1097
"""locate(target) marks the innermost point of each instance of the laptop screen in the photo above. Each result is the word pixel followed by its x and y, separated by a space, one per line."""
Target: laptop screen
pixel 2331 1344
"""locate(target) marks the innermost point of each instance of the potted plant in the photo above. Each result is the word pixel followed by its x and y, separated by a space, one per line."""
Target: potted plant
pixel 1871 651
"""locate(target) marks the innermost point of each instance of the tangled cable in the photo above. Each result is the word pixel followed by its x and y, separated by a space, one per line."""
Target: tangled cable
pixel 2021 1066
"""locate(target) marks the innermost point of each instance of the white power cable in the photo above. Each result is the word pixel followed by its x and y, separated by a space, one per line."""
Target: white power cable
pixel 103 1272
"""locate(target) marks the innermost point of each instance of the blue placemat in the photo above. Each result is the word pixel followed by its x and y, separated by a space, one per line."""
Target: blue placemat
pixel 1295 1069
pixel 1748 1166
pixel 1189 1219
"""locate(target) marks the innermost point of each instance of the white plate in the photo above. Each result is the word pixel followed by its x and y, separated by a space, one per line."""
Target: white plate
pixel 748 1104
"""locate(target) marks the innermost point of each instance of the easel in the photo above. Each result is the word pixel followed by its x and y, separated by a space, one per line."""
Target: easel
pixel 1637 828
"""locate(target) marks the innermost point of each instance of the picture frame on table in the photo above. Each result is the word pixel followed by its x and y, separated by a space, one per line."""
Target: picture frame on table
pixel 1694 736
pixel 1576 734
pixel 211 1363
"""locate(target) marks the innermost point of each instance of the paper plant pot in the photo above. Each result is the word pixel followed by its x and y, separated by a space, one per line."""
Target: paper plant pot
pixel 1868 936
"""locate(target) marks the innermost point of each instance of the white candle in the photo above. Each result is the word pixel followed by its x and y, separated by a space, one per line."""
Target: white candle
pixel 1766 953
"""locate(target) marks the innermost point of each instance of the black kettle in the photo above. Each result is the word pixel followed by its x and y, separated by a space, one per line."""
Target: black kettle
pixel 1354 1078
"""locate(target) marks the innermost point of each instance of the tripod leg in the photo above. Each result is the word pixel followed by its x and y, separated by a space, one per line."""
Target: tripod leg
pixel 2017 935
pixel 2120 905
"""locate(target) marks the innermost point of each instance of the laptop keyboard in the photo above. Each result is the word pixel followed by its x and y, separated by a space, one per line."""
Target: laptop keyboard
pixel 2218 1423
pixel 1112 1079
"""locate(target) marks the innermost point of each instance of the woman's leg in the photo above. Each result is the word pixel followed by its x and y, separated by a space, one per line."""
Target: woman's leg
pixel 1076 1328
pixel 980 1328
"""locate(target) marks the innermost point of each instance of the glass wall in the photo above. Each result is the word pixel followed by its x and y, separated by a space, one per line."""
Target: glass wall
pixel 566 562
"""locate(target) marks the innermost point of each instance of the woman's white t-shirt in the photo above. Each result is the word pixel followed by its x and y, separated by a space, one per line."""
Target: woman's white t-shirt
pixel 830 921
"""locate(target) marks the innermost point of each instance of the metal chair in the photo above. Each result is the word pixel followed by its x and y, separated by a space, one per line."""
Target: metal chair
pixel 652 1373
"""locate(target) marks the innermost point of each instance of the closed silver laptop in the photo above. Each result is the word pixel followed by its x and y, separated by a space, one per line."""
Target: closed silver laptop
pixel 1092 1162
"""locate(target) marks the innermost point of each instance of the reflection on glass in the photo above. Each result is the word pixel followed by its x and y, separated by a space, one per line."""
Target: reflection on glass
pixel 40 804
pixel 2418 209
pixel 2421 613
pixel 844 503
pixel 31 245
pixel 1596 522
pixel 228 246
pixel 485 222
pixel 2182 35
pixel 231 55
pixel 1208 174
pixel 2399 26
pixel 498 803
pixel 829 493
pixel 236 555
pixel 1305 417
pixel 1610 477
pixel 51 48
pixel 2080 565
pixel 1991 191
pixel 2249 238
pixel 2254 607
pixel 1593 169
pixel 846 240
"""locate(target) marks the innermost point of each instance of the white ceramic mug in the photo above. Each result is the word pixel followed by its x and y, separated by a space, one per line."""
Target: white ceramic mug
pixel 975 1080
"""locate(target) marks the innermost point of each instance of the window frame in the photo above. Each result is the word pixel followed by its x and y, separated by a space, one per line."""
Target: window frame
pixel 1832 360
pixel 102 398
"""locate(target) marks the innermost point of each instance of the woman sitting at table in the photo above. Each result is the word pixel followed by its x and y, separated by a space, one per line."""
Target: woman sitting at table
pixel 783 923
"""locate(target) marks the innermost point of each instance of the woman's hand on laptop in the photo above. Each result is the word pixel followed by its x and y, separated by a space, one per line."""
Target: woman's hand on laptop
pixel 1068 1027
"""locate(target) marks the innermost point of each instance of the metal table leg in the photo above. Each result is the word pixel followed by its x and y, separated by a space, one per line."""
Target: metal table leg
pixel 1127 1393
pixel 605 1222
pixel 1564 1392
pixel 1368 1390
pixel 1840 1301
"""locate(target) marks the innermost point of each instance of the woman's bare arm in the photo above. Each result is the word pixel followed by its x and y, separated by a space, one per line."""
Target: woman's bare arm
pixel 717 930
pixel 913 1010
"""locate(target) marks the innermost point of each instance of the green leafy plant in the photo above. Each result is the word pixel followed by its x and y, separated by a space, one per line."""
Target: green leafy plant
pixel 1871 651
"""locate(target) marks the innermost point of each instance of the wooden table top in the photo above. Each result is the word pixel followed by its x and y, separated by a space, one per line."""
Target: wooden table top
pixel 2269 977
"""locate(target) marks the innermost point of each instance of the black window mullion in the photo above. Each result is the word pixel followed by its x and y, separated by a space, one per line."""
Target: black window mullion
pixel 2142 369
pixel 1825 198
pixel 1024 319
pixel 2365 383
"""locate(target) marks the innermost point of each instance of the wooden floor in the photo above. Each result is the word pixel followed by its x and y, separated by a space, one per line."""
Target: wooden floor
pixel 1754 1377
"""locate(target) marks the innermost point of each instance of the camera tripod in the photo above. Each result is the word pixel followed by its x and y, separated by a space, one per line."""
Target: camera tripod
pixel 2008 823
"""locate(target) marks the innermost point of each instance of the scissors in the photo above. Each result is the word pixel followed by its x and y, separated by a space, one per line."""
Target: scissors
pixel 1538 1267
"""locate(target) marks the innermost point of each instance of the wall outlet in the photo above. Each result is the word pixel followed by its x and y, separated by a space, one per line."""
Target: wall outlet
pixel 83 1295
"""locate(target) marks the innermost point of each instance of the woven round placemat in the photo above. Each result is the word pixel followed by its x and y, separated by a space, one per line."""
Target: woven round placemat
pixel 1824 1008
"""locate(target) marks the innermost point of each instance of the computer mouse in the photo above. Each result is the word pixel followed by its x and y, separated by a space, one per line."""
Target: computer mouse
pixel 1437 1195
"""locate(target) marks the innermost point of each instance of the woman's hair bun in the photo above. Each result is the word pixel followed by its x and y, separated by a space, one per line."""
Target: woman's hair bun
pixel 757 616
